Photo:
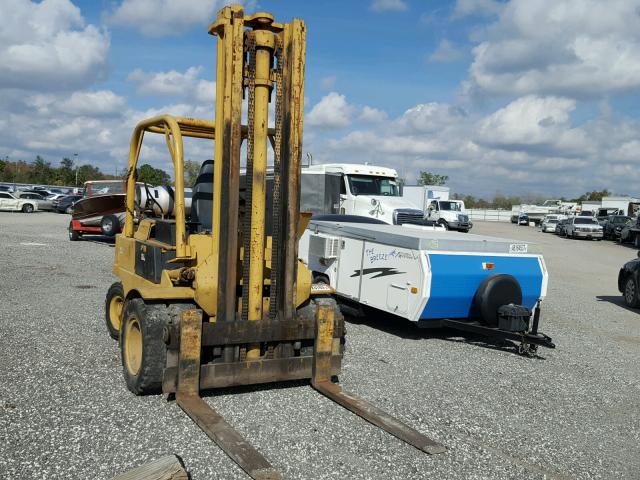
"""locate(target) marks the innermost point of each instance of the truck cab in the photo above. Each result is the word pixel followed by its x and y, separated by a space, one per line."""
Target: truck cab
pixel 450 213
pixel 367 190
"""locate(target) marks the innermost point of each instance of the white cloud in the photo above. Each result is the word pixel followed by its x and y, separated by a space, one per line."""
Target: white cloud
pixel 372 115
pixel 429 118
pixel 332 111
pixel 530 146
pixel 175 84
pixel 102 102
pixel 573 48
pixel 531 123
pixel 464 8
pixel 47 46
pixel 165 17
pixel 328 82
pixel 446 52
pixel 388 6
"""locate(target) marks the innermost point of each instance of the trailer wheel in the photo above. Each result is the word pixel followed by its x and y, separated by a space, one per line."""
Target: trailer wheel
pixel 113 307
pixel 109 225
pixel 630 292
pixel 73 235
pixel 493 292
pixel 142 347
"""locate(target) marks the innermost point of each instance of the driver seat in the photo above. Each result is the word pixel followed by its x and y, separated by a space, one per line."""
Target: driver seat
pixel 202 199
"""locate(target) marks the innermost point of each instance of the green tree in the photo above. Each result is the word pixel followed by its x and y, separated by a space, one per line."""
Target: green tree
pixel 428 178
pixel 66 172
pixel 154 176
pixel 89 172
pixel 41 171
pixel 191 171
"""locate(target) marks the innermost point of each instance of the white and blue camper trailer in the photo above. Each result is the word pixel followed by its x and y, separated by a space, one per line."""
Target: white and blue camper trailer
pixel 436 278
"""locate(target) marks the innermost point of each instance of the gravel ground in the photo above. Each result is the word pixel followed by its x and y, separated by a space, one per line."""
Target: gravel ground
pixel 572 413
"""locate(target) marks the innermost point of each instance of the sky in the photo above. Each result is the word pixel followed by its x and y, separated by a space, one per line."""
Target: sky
pixel 513 97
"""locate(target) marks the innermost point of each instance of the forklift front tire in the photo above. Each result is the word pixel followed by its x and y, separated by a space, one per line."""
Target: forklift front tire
pixel 114 305
pixel 142 348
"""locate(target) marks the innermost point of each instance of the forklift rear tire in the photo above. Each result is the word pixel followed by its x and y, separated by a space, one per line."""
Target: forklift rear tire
pixel 114 305
pixel 142 348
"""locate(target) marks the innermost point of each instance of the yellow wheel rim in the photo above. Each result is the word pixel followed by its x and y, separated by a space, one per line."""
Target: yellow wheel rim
pixel 115 312
pixel 133 346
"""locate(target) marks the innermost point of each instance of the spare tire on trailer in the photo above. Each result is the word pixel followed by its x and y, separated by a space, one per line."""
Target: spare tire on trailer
pixel 110 225
pixel 493 292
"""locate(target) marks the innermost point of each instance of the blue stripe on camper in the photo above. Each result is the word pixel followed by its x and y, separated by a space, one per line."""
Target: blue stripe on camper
pixel 455 279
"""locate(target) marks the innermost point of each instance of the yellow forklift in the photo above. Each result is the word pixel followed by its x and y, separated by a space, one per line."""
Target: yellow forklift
pixel 215 295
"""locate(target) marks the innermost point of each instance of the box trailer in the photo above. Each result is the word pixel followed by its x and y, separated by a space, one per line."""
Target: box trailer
pixel 433 278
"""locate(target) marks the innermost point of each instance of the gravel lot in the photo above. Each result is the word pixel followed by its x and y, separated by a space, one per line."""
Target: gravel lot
pixel 573 413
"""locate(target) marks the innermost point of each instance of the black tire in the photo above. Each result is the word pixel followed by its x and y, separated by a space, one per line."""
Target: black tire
pixel 110 225
pixel 73 235
pixel 113 309
pixel 465 230
pixel 444 224
pixel 630 292
pixel 142 348
pixel 27 208
pixel 493 292
pixel 636 241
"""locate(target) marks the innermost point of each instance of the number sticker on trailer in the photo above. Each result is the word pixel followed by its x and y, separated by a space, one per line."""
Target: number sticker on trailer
pixel 518 248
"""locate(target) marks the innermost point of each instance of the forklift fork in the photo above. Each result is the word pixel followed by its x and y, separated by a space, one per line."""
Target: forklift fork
pixel 230 441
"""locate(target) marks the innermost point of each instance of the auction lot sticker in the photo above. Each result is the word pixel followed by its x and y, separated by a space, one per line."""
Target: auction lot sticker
pixel 518 248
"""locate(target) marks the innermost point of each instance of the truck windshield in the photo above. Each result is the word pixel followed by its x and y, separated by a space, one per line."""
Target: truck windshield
pixel 454 206
pixel 373 185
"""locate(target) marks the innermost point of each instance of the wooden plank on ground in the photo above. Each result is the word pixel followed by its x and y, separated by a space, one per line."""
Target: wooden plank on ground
pixel 165 468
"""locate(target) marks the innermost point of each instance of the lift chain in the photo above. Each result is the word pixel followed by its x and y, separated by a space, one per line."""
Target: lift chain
pixel 250 47
pixel 276 253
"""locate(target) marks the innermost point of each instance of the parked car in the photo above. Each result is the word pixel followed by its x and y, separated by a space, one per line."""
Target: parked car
pixel 561 226
pixel 549 225
pixel 8 201
pixel 630 233
pixel 55 196
pixel 629 282
pixel 613 226
pixel 584 227
pixel 514 218
pixel 523 220
pixel 65 204
pixel 43 203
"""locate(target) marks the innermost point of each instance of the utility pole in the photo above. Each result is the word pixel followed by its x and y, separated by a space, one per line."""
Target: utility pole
pixel 75 160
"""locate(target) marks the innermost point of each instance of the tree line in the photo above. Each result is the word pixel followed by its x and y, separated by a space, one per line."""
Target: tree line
pixel 505 202
pixel 69 173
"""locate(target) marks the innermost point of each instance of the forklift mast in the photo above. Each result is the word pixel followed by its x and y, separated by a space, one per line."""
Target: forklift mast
pixel 220 303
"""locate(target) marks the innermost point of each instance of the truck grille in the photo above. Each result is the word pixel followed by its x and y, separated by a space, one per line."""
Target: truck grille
pixel 463 218
pixel 407 215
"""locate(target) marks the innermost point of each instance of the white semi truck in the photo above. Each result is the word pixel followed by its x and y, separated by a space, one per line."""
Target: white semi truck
pixel 355 189
pixel 435 203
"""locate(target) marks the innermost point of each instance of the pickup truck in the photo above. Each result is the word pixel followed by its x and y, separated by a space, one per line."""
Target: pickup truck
pixel 8 201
